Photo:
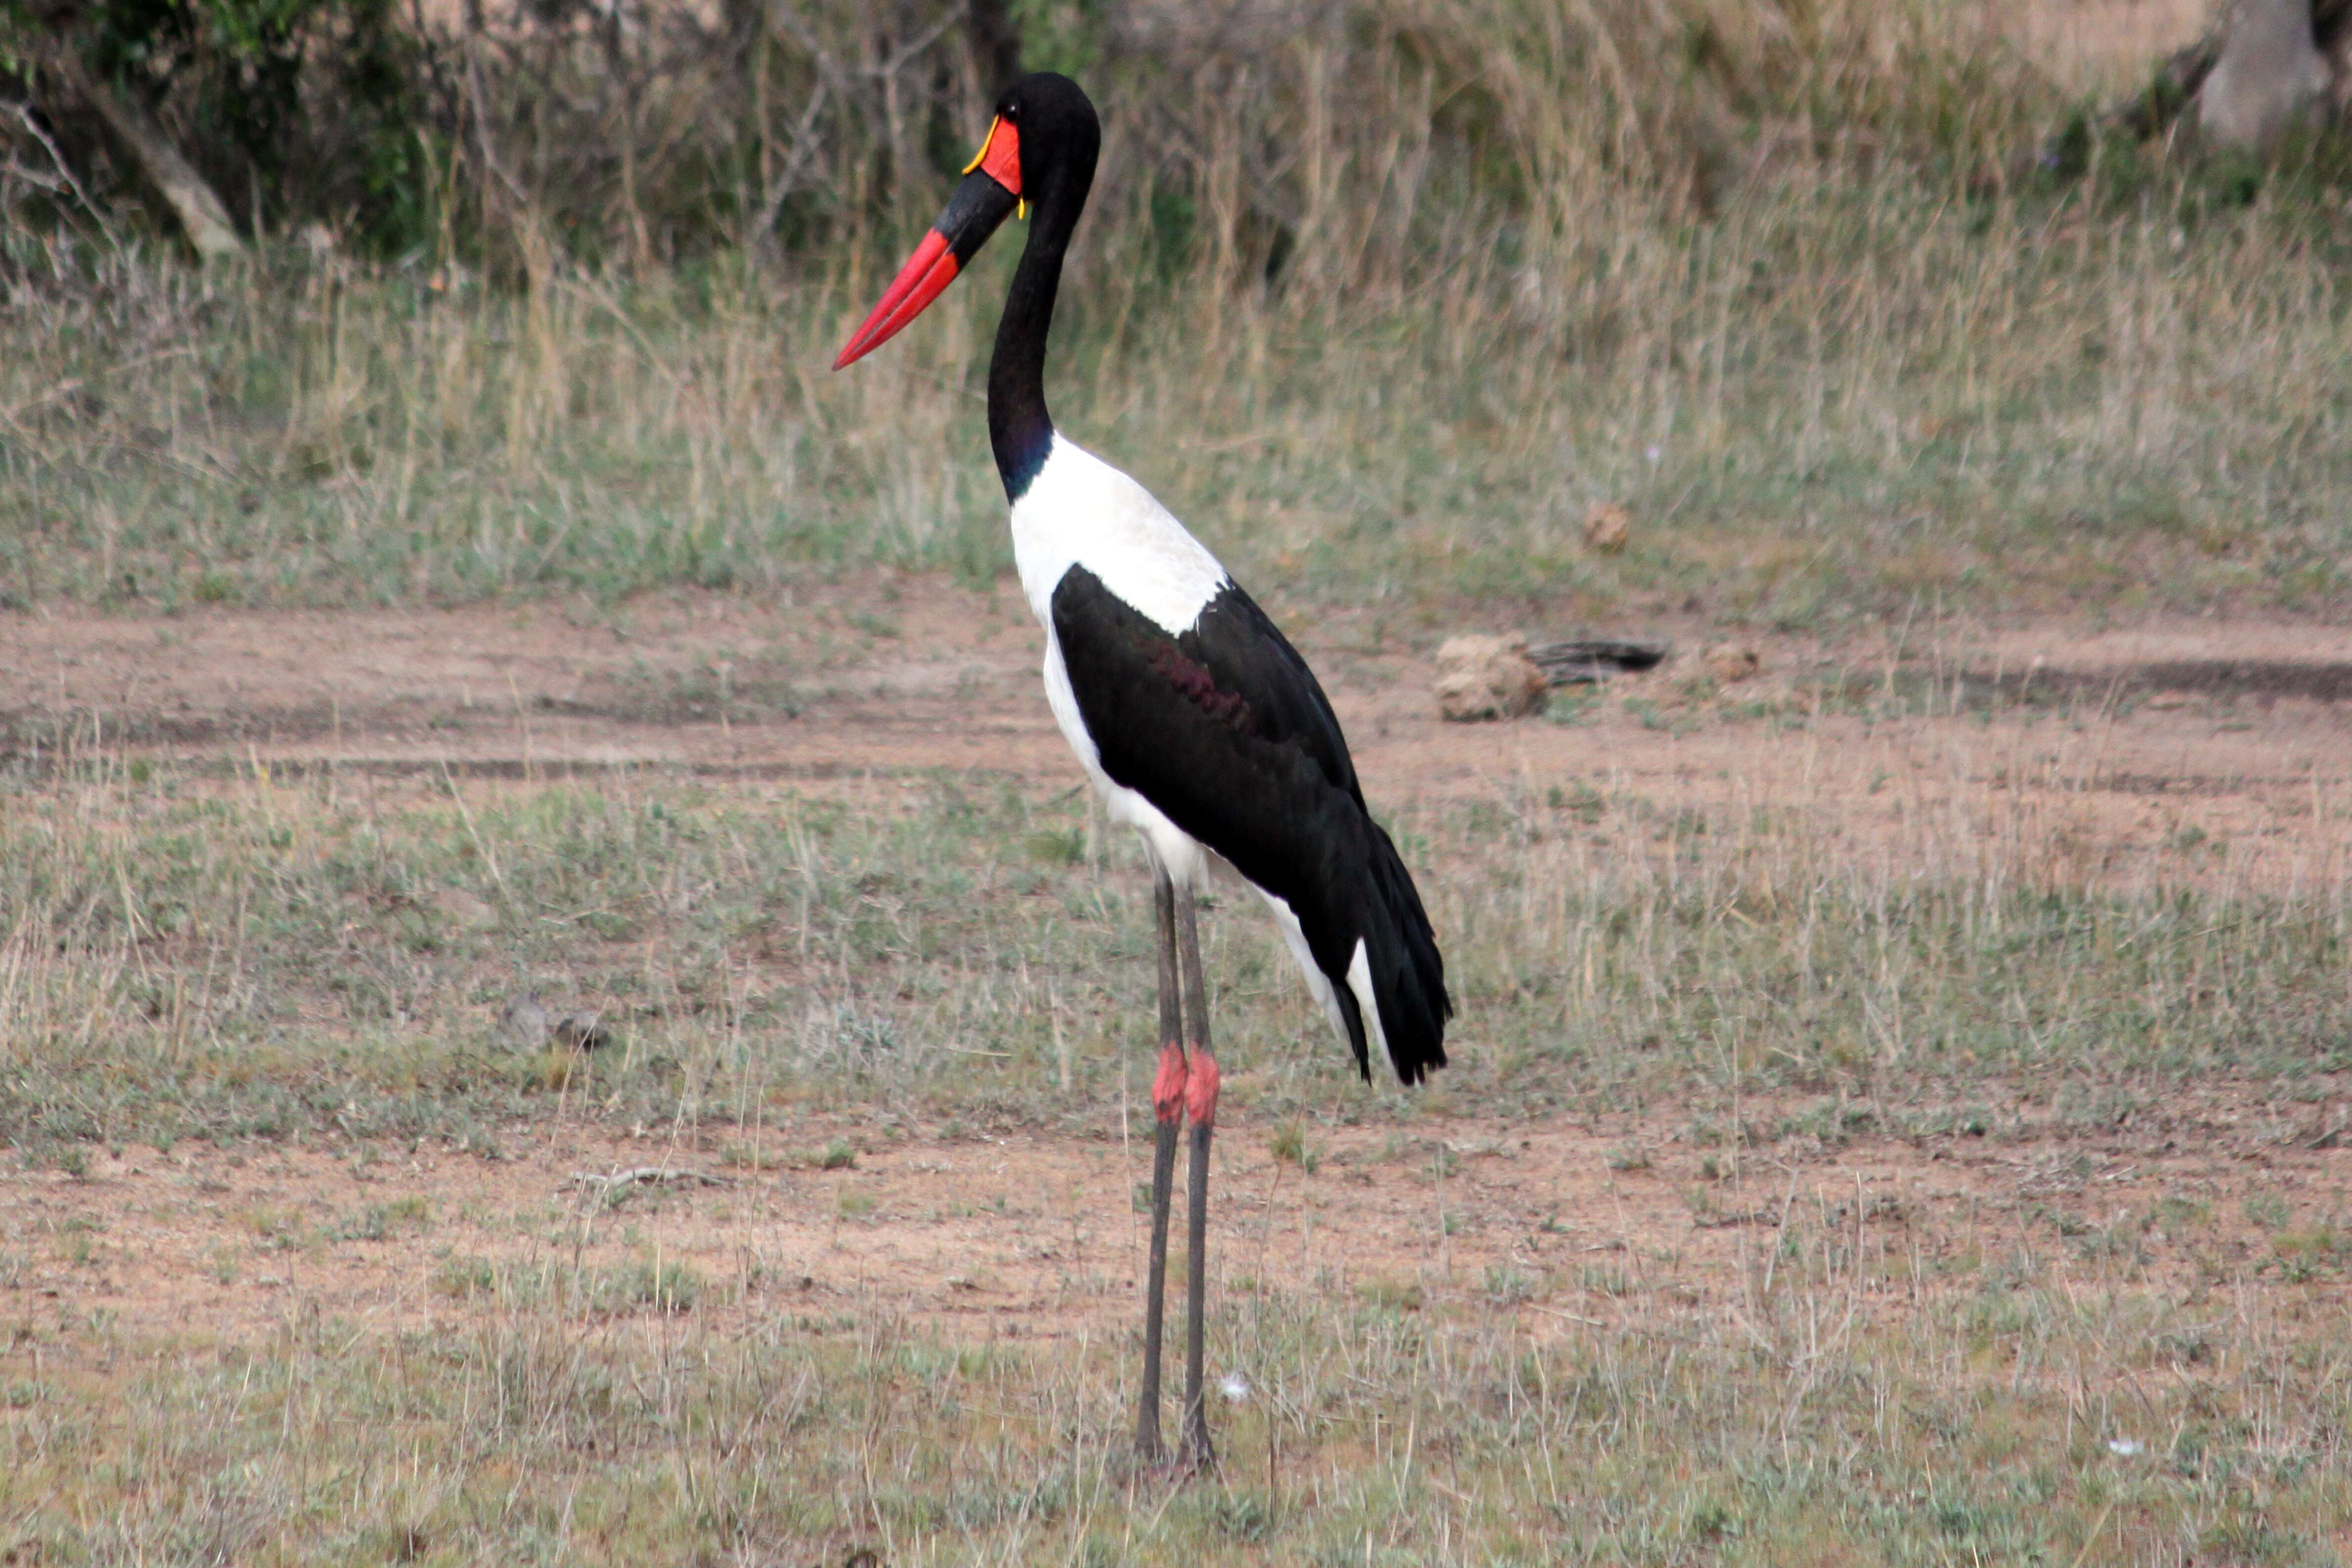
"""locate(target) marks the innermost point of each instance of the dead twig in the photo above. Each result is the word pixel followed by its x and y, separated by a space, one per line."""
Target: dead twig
pixel 647 1176
pixel 803 145
pixel 33 127
pixel 1590 660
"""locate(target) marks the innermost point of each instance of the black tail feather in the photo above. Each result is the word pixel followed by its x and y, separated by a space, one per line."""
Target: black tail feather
pixel 1408 972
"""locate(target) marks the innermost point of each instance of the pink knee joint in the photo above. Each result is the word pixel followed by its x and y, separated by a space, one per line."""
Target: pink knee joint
pixel 1168 1088
pixel 1201 1090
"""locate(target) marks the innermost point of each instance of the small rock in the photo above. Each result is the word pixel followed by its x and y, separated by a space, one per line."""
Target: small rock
pixel 580 1031
pixel 1489 678
pixel 524 1020
pixel 528 1025
pixel 1607 527
pixel 1730 661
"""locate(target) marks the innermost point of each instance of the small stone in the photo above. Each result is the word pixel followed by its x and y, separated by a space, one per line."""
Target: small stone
pixel 1607 527
pixel 1729 662
pixel 1489 678
pixel 530 1024
pixel 580 1031
pixel 524 1021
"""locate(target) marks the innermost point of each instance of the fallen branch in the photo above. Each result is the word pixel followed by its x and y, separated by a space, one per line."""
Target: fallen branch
pixel 203 218
pixel 647 1176
pixel 1590 660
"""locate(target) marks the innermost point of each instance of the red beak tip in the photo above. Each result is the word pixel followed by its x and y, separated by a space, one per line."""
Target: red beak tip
pixel 931 269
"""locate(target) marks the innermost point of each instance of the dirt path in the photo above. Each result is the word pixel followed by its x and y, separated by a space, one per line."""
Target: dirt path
pixel 2184 750
pixel 1035 1235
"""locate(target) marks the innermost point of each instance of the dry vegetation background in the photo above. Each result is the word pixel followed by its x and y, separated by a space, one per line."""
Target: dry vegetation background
pixel 1899 1114
pixel 1383 298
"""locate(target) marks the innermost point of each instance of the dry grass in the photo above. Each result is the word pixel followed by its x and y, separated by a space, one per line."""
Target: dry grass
pixel 1842 398
pixel 1443 276
pixel 318 959
pixel 1463 276
pixel 188 954
pixel 1864 1401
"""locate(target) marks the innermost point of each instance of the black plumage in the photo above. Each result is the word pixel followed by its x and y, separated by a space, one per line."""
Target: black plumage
pixel 1224 729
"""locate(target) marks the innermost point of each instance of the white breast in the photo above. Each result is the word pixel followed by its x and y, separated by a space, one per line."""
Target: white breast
pixel 1081 511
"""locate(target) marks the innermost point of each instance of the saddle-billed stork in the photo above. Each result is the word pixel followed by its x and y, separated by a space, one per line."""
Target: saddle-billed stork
pixel 1197 721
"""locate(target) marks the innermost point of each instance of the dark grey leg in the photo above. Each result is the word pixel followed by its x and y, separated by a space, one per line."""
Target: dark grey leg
pixel 1194 1451
pixel 1168 1111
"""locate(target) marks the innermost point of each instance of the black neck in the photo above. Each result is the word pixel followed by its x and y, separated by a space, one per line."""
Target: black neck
pixel 1019 427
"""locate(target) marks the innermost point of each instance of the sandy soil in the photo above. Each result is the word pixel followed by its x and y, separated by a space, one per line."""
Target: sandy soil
pixel 1034 1236
pixel 2237 731
pixel 2185 750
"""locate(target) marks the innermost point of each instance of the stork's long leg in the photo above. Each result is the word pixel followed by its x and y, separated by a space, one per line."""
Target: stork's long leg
pixel 1168 1110
pixel 1194 1451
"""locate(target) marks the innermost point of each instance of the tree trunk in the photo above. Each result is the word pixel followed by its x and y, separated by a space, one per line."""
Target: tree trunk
pixel 2181 78
pixel 995 39
pixel 2269 76
pixel 202 216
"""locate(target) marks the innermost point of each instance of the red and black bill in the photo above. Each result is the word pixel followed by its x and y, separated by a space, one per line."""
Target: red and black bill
pixel 990 193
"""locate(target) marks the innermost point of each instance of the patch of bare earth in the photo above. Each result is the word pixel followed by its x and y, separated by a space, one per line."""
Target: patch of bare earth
pixel 2190 751
pixel 1036 1237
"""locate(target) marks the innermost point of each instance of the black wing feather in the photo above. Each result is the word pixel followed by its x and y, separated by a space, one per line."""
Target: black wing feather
pixel 1225 728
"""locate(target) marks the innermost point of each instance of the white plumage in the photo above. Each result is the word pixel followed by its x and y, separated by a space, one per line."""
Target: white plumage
pixel 1081 510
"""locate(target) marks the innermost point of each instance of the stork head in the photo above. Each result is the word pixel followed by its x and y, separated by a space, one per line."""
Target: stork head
pixel 1039 150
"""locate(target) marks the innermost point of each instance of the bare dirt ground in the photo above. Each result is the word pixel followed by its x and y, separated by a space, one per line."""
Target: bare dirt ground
pixel 2126 742
pixel 1033 1237
pixel 2237 731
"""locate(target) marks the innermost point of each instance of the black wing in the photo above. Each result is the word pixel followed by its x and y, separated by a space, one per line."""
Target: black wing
pixel 1226 731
